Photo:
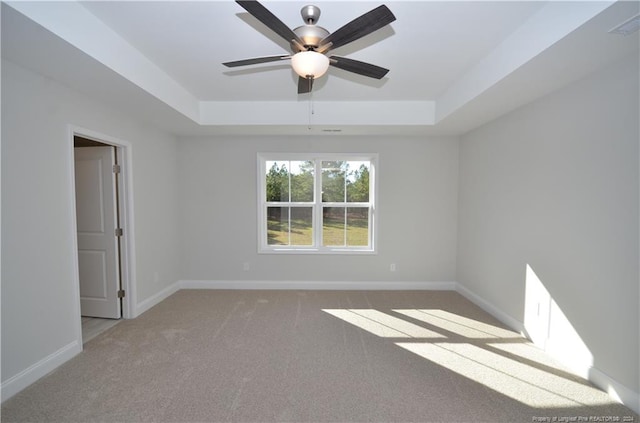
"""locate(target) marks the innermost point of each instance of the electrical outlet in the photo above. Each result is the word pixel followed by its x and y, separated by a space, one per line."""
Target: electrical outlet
pixel 246 266
pixel 392 267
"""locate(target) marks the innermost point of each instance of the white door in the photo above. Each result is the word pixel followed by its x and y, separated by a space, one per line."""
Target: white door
pixel 98 245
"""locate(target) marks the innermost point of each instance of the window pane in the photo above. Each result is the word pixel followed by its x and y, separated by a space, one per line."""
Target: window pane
pixel 357 182
pixel 289 225
pixel 358 226
pixel 345 226
pixel 277 179
pixel 333 180
pixel 301 226
pixel 278 225
pixel 333 226
pixel 302 181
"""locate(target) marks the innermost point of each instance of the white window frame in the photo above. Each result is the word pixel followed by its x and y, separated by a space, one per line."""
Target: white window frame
pixel 317 205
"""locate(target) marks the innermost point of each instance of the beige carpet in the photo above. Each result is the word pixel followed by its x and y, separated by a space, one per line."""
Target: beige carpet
pixel 310 356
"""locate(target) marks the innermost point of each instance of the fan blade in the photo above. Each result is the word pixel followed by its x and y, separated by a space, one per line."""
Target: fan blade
pixel 255 61
pixel 305 85
pixel 356 66
pixel 262 14
pixel 359 27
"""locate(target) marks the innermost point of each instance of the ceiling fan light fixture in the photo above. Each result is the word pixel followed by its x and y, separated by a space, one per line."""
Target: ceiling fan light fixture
pixel 310 63
pixel 311 43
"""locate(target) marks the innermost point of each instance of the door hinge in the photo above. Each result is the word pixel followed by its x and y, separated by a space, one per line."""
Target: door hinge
pixel 119 232
pixel 116 168
pixel 121 293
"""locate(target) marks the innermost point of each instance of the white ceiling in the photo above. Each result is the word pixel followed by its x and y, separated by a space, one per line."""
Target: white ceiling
pixel 453 64
pixel 427 48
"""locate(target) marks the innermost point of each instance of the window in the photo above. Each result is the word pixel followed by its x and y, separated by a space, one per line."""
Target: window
pixel 316 203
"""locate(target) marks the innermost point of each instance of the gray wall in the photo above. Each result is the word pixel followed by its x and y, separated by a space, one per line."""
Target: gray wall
pixel 38 292
pixel 555 185
pixel 417 211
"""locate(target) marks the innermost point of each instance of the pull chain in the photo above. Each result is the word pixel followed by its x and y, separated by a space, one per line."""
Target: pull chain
pixel 311 111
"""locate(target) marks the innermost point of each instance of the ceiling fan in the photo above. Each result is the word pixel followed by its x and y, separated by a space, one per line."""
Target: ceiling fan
pixel 311 43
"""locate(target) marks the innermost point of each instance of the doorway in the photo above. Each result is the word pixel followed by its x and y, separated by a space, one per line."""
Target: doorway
pixel 98 228
pixel 103 236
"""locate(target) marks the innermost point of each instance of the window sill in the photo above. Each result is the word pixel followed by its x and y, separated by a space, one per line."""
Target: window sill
pixel 317 251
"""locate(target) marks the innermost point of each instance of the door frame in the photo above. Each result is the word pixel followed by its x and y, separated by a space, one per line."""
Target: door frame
pixel 127 242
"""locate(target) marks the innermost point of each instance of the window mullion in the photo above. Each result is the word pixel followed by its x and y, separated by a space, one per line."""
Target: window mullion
pixel 347 204
pixel 317 196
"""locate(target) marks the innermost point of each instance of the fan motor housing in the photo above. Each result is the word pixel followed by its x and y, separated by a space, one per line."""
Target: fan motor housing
pixel 311 35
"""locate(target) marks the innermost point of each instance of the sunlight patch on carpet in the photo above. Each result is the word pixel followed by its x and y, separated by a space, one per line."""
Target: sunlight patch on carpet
pixel 529 385
pixel 382 324
pixel 459 325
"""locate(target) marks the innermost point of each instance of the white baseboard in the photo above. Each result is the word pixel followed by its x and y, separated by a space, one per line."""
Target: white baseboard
pixel 319 285
pixel 490 308
pixel 45 366
pixel 157 298
pixel 616 390
pixel 17 383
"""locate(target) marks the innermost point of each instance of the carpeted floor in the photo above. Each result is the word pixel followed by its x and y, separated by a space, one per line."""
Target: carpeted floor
pixel 311 356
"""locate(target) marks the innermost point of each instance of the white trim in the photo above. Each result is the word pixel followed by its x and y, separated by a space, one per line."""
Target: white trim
pixel 157 298
pixel 617 391
pixel 490 308
pixel 128 268
pixel 17 383
pixel 75 266
pixel 316 205
pixel 320 285
pixel 319 251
